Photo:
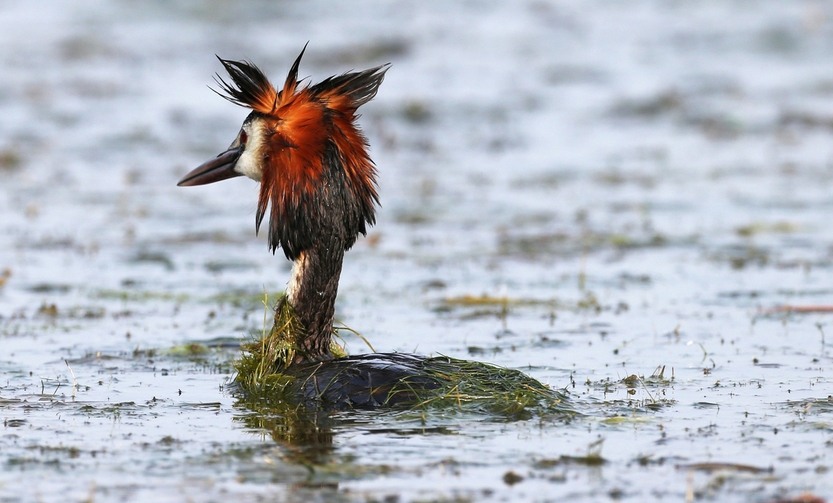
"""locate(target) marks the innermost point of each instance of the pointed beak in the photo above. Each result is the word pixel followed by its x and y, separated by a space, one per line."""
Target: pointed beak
pixel 214 170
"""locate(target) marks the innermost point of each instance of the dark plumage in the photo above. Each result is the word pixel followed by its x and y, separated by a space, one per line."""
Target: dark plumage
pixel 250 86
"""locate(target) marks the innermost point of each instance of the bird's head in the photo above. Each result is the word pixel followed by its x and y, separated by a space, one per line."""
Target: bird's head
pixel 304 147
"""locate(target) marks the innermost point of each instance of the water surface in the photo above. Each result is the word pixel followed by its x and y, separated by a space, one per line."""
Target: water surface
pixel 586 193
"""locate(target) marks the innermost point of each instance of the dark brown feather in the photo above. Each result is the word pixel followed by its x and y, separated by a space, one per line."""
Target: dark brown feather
pixel 250 86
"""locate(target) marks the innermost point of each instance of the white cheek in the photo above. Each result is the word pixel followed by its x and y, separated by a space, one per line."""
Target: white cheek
pixel 250 162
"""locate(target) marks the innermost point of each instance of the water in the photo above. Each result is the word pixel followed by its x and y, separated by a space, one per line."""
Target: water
pixel 647 184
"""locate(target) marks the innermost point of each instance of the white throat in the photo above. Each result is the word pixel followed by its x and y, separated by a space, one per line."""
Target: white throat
pixel 296 277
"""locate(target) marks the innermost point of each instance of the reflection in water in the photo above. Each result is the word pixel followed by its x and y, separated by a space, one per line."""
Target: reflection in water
pixel 304 433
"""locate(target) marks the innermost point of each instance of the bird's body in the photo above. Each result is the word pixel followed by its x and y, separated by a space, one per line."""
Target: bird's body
pixel 318 185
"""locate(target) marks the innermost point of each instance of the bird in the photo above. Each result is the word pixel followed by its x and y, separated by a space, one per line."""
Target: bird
pixel 317 181
pixel 318 185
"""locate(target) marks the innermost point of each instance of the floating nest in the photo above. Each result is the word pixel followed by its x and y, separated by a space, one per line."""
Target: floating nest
pixel 400 380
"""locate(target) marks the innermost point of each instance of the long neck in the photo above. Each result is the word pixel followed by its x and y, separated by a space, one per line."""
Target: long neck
pixel 312 294
pixel 322 227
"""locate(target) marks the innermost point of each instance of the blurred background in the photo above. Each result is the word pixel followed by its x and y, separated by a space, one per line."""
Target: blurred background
pixel 537 131
pixel 582 190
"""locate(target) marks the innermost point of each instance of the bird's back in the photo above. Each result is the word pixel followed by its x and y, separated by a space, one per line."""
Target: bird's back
pixel 365 381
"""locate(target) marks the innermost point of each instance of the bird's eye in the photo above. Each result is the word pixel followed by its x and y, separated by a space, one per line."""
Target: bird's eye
pixel 243 137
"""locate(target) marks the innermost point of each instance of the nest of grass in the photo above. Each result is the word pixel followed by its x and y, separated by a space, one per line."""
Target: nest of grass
pixel 265 373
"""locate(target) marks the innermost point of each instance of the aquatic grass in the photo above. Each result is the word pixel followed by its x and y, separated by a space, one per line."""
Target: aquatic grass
pixel 265 359
pixel 481 306
pixel 344 328
pixel 127 295
pixel 563 244
pixel 757 228
pixel 266 374
pixel 473 386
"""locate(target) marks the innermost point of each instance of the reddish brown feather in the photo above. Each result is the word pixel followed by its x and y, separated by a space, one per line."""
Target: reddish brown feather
pixel 352 145
pixel 300 124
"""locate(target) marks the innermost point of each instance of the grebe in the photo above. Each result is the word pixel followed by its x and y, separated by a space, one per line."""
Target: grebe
pixel 319 184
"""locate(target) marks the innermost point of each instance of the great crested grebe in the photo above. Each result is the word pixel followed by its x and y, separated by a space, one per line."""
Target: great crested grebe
pixel 305 149
pixel 317 180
